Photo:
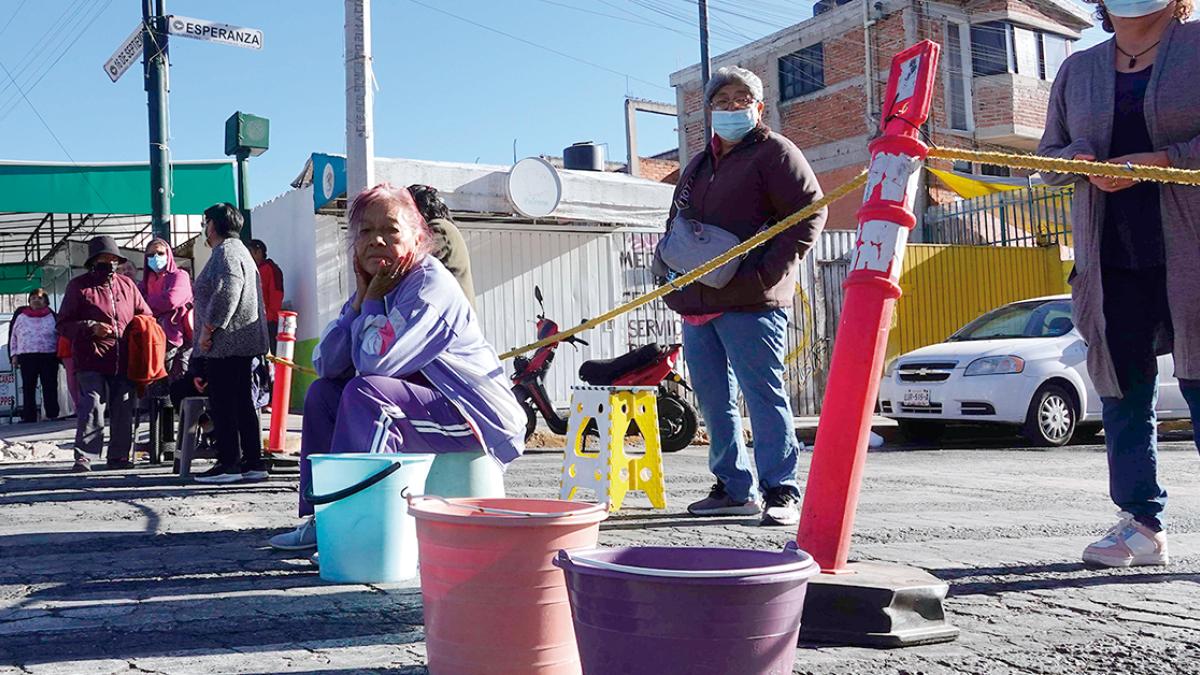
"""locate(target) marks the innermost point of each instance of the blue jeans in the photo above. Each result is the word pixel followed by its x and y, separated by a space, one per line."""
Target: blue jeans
pixel 1136 308
pixel 746 349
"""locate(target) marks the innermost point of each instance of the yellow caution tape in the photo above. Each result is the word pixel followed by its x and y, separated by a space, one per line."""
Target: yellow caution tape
pixel 739 250
pixel 1159 174
pixel 292 364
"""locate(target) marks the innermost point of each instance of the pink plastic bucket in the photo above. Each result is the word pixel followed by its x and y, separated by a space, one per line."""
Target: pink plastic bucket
pixel 495 604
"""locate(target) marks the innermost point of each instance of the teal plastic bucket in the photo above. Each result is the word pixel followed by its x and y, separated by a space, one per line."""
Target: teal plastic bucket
pixel 364 531
pixel 465 474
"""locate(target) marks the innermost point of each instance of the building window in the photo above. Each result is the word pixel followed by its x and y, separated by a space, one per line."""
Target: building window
pixel 1001 47
pixel 1055 50
pixel 802 72
pixel 956 79
pixel 994 170
pixel 991 48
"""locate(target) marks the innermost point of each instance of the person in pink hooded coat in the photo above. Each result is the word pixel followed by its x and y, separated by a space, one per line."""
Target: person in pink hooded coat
pixel 168 291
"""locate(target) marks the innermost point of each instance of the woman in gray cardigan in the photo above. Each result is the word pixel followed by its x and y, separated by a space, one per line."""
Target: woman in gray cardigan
pixel 231 329
pixel 1136 284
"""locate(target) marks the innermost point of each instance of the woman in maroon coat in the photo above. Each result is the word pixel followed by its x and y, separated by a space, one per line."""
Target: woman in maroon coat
pixel 97 308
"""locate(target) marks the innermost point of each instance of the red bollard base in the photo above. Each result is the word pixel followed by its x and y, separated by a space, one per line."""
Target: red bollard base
pixel 876 605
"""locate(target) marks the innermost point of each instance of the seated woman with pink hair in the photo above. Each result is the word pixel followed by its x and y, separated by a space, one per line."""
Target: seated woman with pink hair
pixel 406 353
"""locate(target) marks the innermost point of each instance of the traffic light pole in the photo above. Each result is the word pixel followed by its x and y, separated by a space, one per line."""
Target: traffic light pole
pixel 243 188
pixel 154 58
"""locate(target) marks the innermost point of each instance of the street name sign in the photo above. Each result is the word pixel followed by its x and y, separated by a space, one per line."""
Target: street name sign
pixel 125 56
pixel 211 31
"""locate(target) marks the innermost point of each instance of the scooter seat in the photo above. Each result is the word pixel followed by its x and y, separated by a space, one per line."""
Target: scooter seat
pixel 602 372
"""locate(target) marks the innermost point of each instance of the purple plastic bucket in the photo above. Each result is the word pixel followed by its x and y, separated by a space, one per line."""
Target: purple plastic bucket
pixel 693 611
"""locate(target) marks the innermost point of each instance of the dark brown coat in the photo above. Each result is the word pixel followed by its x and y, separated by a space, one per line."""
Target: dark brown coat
pixel 761 181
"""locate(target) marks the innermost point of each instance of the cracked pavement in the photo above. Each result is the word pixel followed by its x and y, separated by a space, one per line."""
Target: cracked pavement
pixel 137 572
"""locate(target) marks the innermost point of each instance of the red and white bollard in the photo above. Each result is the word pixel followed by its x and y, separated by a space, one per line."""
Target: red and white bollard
pixel 872 288
pixel 281 395
pixel 864 603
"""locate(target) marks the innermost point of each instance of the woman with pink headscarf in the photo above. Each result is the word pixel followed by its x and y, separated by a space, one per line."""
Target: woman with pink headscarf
pixel 168 291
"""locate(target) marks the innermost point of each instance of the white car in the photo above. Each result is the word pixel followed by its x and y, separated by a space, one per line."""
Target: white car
pixel 1022 365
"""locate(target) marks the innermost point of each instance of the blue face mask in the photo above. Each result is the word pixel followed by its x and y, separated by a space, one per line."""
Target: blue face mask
pixel 158 262
pixel 1132 9
pixel 733 125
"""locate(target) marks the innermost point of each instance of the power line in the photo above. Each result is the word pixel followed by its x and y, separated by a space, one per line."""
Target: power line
pixel 13 17
pixel 62 52
pixel 43 43
pixel 53 135
pixel 539 46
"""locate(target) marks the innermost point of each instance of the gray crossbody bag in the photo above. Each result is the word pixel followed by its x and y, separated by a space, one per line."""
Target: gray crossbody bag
pixel 690 243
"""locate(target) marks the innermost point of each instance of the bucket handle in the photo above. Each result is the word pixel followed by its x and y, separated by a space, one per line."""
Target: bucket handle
pixel 358 487
pixel 484 509
pixel 564 556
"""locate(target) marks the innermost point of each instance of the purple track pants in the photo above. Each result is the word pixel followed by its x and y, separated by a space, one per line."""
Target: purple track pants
pixel 379 413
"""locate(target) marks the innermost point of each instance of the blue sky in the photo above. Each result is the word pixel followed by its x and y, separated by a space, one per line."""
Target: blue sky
pixel 449 89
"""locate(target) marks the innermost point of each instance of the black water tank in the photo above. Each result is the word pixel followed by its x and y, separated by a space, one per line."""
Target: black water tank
pixel 586 156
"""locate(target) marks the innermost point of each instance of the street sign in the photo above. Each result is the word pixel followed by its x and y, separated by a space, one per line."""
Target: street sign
pixel 211 31
pixel 125 56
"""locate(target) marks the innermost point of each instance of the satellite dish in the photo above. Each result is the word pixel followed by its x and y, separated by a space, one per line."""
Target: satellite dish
pixel 534 187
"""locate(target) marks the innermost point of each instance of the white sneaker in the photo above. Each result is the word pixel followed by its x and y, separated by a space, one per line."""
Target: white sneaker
pixel 1127 544
pixel 299 539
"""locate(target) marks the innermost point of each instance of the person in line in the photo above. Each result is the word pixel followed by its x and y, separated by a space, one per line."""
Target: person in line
pixel 168 292
pixel 272 285
pixel 1136 283
pixel 97 307
pixel 449 247
pixel 231 332
pixel 33 346
pixel 68 363
pixel 405 367
pixel 128 269
pixel 746 178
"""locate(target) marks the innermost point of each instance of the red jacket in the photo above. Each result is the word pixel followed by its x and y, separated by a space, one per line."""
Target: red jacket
pixel 272 288
pixel 93 298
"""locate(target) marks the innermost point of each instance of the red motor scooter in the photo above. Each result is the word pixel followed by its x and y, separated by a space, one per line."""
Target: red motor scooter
pixel 646 366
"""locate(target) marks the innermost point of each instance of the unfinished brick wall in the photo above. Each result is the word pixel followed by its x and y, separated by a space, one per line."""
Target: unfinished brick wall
pixel 825 119
pixel 661 170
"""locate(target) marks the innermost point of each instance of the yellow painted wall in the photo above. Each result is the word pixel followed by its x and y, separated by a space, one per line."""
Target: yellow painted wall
pixel 945 287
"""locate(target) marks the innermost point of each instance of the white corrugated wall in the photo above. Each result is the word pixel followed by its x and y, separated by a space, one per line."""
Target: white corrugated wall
pixel 577 272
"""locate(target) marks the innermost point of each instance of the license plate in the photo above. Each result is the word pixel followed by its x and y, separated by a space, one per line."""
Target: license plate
pixel 917 398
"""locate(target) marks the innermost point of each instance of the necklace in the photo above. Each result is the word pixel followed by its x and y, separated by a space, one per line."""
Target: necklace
pixel 1134 57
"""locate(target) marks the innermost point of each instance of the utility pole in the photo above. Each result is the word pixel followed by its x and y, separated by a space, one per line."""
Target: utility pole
pixel 154 59
pixel 360 99
pixel 705 71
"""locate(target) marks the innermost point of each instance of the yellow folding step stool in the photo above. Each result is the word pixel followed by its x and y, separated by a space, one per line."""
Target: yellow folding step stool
pixel 608 471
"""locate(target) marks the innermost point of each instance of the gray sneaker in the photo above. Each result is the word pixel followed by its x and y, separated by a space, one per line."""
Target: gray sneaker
pixel 719 503
pixel 299 539
pixel 782 506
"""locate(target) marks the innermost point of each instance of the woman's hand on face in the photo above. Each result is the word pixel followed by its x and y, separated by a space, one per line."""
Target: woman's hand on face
pixel 362 282
pixel 386 279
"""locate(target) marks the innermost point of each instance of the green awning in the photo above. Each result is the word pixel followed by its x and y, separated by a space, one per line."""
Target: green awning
pixel 27 187
pixel 13 279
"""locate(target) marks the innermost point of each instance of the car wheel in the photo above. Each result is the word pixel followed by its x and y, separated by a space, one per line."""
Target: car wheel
pixel 1051 419
pixel 921 431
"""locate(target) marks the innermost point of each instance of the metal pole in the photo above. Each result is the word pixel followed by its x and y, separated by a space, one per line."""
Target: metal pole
pixel 243 186
pixel 360 99
pixel 704 68
pixel 154 59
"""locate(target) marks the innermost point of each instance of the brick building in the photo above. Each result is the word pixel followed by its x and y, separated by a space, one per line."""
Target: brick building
pixel 999 58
